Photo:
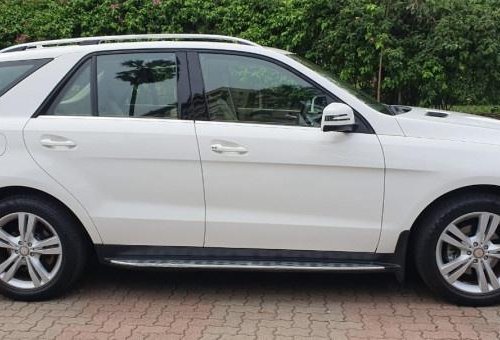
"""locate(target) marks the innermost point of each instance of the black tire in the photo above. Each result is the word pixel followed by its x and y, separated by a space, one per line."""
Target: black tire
pixel 74 246
pixel 424 249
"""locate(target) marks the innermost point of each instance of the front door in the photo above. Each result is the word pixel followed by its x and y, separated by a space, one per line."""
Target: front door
pixel 273 179
pixel 113 138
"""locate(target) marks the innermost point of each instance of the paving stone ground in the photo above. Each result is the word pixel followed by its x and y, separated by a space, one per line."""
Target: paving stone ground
pixel 121 304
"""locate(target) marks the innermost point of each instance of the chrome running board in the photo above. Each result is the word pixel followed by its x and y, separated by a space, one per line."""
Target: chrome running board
pixel 250 265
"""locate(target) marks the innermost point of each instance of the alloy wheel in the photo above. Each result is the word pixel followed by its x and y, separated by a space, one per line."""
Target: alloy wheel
pixel 30 251
pixel 468 253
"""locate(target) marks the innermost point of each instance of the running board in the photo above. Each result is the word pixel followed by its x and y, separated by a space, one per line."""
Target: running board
pixel 253 265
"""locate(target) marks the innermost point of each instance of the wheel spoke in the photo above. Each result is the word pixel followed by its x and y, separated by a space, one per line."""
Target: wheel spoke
pixel 6 240
pixel 5 264
pixel 49 251
pixel 452 229
pixel 21 221
pixel 30 227
pixel 448 239
pixel 459 272
pixel 48 242
pixel 26 223
pixel 491 275
pixel 495 221
pixel 32 272
pixel 39 269
pixel 482 226
pixel 452 265
pixel 9 274
pixel 481 278
pixel 494 251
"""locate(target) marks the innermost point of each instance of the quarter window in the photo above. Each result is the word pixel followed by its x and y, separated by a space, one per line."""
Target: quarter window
pixel 246 89
pixel 128 85
pixel 12 72
pixel 75 98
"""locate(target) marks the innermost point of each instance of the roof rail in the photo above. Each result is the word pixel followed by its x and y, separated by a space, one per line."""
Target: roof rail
pixel 125 38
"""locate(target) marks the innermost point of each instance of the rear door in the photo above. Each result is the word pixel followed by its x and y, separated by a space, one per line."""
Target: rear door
pixel 113 136
pixel 272 178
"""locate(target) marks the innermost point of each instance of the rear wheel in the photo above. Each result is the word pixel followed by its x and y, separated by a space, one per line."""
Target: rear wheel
pixel 42 249
pixel 458 250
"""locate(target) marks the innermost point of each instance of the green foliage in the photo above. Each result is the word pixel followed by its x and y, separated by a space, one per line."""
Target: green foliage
pixel 431 52
pixel 484 110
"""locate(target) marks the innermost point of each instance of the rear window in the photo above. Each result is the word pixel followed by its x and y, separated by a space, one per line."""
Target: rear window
pixel 12 72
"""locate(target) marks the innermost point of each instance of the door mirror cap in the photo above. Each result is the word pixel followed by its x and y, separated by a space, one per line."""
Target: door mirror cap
pixel 338 117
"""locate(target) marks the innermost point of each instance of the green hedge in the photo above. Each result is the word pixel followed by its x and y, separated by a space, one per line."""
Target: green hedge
pixel 431 52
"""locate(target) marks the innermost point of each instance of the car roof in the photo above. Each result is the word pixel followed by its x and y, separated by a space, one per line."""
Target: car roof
pixel 56 48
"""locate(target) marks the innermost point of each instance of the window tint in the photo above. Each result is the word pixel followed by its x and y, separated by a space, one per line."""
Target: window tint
pixel 75 98
pixel 128 85
pixel 137 85
pixel 12 72
pixel 245 89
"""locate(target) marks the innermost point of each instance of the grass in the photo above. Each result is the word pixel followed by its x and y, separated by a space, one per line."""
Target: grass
pixel 483 110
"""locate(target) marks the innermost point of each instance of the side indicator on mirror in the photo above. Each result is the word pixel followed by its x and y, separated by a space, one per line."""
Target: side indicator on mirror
pixel 338 117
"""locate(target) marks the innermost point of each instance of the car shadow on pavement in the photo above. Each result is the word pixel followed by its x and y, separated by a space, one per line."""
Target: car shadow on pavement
pixel 103 280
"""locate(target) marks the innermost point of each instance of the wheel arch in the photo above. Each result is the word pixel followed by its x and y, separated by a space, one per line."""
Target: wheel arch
pixel 472 189
pixel 10 191
pixel 467 190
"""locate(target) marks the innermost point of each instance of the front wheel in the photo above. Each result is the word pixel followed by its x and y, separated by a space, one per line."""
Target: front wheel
pixel 457 250
pixel 42 251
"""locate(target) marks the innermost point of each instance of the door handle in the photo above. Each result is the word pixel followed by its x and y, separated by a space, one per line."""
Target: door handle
pixel 219 148
pixel 51 142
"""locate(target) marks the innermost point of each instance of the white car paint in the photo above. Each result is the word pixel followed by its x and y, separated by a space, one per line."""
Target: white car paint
pixel 140 180
pixel 249 198
pixel 436 156
pixel 293 188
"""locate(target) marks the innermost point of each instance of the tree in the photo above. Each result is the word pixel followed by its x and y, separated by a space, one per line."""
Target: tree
pixel 141 72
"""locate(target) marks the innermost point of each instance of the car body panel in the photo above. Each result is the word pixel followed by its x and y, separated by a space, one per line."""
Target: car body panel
pixel 295 188
pixel 19 170
pixel 420 170
pixel 3 144
pixel 139 179
pixel 454 126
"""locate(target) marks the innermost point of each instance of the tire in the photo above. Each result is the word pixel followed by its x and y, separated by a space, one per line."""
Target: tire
pixel 62 258
pixel 434 255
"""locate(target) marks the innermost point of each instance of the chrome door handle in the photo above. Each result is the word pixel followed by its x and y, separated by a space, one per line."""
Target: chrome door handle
pixel 51 142
pixel 219 148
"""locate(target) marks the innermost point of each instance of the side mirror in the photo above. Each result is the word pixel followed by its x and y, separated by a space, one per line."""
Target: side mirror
pixel 338 117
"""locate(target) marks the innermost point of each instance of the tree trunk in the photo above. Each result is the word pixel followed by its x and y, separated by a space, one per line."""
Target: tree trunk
pixel 131 109
pixel 379 80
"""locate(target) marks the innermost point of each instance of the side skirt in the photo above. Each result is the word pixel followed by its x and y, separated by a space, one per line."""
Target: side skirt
pixel 254 259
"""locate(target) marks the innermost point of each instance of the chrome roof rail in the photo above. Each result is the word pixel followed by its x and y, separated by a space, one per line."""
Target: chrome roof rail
pixel 128 38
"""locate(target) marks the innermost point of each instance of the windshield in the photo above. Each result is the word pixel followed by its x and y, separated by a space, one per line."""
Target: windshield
pixel 368 100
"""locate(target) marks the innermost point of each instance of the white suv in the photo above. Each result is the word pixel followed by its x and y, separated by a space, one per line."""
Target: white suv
pixel 199 151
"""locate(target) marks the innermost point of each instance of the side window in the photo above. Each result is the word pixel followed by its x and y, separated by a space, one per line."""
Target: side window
pixel 75 98
pixel 246 89
pixel 137 85
pixel 128 85
pixel 12 72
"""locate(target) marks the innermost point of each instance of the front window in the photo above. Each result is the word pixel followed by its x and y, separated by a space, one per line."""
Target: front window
pixel 368 100
pixel 247 89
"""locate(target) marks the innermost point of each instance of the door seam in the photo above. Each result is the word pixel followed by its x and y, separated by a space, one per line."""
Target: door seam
pixel 28 150
pixel 203 184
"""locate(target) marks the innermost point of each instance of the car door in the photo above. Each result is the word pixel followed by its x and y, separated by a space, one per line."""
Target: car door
pixel 113 137
pixel 273 179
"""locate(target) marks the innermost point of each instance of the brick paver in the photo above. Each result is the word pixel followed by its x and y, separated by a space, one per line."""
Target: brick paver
pixel 119 304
